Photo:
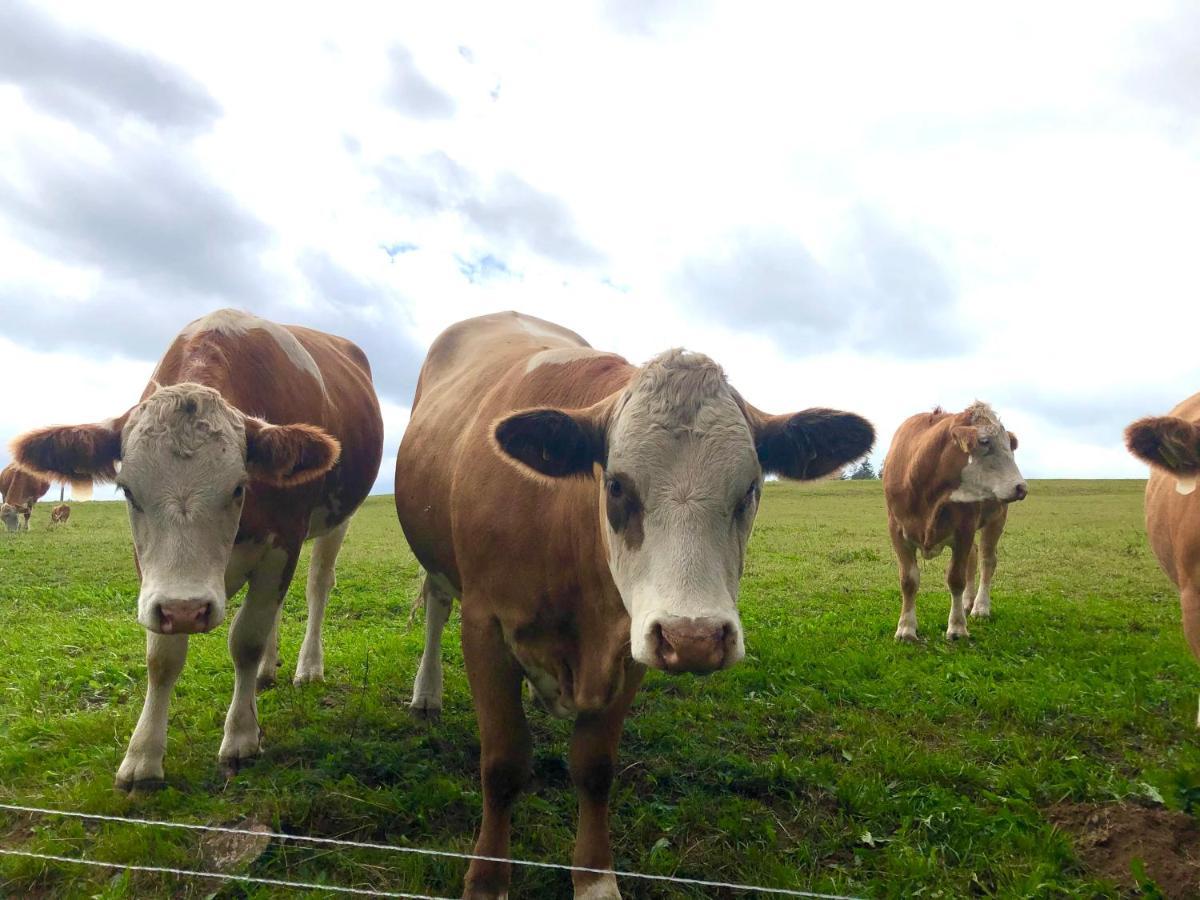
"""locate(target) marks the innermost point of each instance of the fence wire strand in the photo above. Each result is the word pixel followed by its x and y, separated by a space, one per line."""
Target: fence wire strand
pixel 224 876
pixel 391 848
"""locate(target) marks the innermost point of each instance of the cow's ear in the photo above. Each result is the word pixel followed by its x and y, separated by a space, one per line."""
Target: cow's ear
pixel 1166 442
pixel 288 455
pixel 966 437
pixel 71 452
pixel 557 443
pixel 808 444
pixel 1012 441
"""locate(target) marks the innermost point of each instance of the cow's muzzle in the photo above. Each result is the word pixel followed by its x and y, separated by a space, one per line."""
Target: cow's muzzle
pixel 183 617
pixel 693 645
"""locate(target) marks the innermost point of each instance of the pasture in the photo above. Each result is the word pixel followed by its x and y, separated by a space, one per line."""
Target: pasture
pixel 832 759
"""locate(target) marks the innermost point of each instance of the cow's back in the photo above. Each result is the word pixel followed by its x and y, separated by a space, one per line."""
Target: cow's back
pixel 1172 518
pixel 288 374
pixel 477 371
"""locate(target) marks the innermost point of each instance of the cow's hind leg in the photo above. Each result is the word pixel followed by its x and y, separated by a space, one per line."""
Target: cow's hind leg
pixel 989 540
pixel 910 582
pixel 427 688
pixel 505 750
pixel 321 579
pixel 268 666
pixel 972 579
pixel 593 763
pixel 247 640
pixel 142 768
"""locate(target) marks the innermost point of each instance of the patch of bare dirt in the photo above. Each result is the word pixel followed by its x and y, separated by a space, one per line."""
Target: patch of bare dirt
pixel 1109 837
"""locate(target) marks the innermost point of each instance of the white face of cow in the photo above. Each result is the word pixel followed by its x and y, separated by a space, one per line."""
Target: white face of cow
pixel 185 458
pixel 681 486
pixel 991 471
pixel 683 460
pixel 183 473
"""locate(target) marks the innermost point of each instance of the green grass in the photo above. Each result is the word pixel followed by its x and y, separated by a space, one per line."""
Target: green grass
pixel 831 759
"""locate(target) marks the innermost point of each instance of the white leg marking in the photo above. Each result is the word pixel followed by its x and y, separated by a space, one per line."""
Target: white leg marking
pixel 983 600
pixel 956 627
pixel 427 689
pixel 143 763
pixel 247 640
pixel 604 888
pixel 321 579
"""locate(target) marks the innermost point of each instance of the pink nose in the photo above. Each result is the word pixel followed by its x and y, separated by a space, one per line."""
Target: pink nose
pixel 691 645
pixel 184 617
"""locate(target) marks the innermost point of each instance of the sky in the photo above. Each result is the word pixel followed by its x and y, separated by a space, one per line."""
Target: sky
pixel 875 207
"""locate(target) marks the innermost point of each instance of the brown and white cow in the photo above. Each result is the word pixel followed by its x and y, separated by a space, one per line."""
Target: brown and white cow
pixel 20 491
pixel 947 476
pixel 60 514
pixel 592 516
pixel 250 438
pixel 1171 445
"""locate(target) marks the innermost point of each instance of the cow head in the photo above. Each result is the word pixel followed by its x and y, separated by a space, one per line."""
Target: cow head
pixel 183 458
pixel 680 459
pixel 12 515
pixel 982 451
pixel 1170 444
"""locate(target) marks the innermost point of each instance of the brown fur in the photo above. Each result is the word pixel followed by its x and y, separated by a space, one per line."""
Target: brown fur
pixel 254 375
pixel 19 487
pixel 60 513
pixel 526 551
pixel 1173 519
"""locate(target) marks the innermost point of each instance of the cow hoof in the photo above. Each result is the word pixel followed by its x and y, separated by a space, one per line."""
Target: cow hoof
pixel 981 613
pixel 954 634
pixel 264 682
pixel 907 635
pixel 231 765
pixel 138 786
pixel 308 676
pixel 426 710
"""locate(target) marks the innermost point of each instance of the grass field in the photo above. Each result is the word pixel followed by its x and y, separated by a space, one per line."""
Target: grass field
pixel 831 759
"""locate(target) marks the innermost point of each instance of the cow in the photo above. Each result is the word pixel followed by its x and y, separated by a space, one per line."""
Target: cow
pixel 946 477
pixel 20 491
pixel 60 514
pixel 250 438
pixel 1170 444
pixel 592 518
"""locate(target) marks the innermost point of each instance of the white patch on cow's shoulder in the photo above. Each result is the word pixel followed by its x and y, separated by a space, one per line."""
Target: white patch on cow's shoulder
pixel 1186 484
pixel 237 322
pixel 559 356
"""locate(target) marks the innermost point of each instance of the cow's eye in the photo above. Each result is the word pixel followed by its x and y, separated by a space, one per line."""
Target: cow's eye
pixel 984 441
pixel 747 500
pixel 239 492
pixel 614 488
pixel 129 497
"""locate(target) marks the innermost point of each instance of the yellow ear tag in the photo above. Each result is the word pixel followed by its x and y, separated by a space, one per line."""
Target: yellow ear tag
pixel 1185 485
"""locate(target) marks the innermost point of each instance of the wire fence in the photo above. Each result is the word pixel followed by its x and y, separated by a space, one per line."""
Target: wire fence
pixel 362 845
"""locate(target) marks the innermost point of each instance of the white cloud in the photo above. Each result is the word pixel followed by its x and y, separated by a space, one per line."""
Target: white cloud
pixel 650 175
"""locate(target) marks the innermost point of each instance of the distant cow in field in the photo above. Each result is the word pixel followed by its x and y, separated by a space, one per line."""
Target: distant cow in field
pixel 947 476
pixel 592 516
pixel 1171 445
pixel 250 438
pixel 20 491
pixel 60 514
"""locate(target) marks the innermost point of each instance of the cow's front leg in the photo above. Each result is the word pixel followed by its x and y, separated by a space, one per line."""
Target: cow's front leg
pixel 593 761
pixel 1189 603
pixel 989 540
pixel 142 768
pixel 247 640
pixel 505 749
pixel 956 580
